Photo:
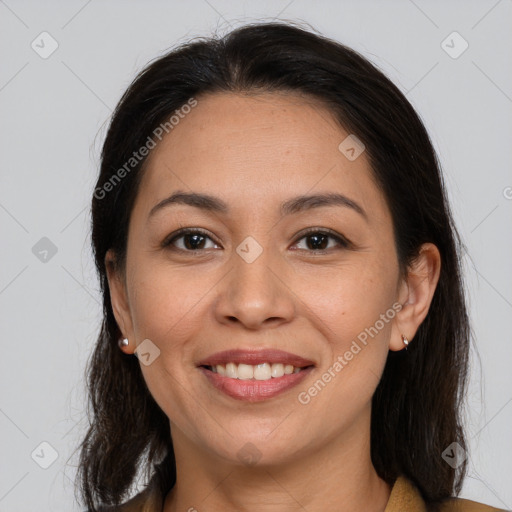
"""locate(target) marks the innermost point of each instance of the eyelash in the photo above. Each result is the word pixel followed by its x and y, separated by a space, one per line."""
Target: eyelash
pixel 342 241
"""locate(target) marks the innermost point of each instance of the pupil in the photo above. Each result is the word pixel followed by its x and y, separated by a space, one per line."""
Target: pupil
pixel 318 241
pixel 193 242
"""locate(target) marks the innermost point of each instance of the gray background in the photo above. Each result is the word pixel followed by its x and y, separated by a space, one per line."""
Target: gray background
pixel 53 112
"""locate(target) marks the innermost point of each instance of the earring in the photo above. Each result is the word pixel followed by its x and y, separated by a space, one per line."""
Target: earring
pixel 123 342
pixel 405 341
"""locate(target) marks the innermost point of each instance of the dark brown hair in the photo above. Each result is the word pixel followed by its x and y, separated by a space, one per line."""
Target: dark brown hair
pixel 416 410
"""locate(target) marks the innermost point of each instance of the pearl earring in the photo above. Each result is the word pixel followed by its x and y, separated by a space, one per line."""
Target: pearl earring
pixel 405 341
pixel 123 342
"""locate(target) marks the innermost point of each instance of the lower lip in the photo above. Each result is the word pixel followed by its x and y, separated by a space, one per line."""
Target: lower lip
pixel 255 390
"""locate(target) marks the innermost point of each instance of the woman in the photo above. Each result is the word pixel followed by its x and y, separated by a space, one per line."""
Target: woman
pixel 275 246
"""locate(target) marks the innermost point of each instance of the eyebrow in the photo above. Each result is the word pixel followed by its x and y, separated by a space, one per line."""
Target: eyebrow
pixel 294 205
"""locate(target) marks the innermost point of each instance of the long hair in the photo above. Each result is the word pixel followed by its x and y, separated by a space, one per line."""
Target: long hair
pixel 416 409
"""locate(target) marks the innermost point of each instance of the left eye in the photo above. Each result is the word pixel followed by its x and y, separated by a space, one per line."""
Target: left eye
pixel 320 241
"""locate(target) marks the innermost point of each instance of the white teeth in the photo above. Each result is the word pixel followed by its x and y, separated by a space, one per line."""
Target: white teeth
pixel 263 371
pixel 245 371
pixel 231 370
pixel 277 370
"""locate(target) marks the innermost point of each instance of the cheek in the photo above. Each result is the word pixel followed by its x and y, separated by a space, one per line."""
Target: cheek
pixel 168 309
pixel 353 308
pixel 358 333
pixel 349 299
pixel 165 302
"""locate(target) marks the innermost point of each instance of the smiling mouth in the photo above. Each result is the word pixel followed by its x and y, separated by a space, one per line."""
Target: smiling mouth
pixel 258 372
pixel 254 383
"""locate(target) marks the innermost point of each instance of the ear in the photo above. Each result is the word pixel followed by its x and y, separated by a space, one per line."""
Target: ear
pixel 415 295
pixel 119 300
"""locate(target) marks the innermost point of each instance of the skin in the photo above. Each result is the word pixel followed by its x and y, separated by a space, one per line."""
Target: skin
pixel 255 152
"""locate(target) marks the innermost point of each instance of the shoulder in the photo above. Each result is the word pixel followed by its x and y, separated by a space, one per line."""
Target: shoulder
pixel 405 496
pixel 462 505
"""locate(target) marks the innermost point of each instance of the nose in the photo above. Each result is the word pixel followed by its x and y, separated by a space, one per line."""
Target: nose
pixel 255 295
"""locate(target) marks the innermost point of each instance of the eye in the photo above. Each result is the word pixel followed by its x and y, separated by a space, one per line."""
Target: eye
pixel 314 240
pixel 190 240
pixel 318 240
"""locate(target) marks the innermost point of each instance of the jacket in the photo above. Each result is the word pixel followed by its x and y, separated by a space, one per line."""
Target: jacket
pixel 404 497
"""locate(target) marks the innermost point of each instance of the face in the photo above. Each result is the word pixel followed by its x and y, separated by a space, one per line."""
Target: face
pixel 261 265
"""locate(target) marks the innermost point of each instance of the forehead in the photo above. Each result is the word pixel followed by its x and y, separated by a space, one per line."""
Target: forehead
pixel 257 148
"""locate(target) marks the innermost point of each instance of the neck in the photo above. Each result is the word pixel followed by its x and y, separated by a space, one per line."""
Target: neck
pixel 339 475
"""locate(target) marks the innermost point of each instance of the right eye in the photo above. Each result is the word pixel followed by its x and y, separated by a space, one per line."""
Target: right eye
pixel 190 240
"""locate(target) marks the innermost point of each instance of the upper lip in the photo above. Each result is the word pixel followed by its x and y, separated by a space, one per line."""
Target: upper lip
pixel 254 357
